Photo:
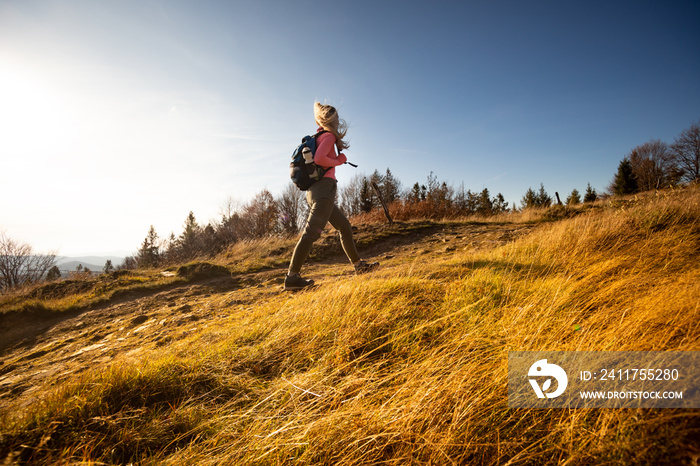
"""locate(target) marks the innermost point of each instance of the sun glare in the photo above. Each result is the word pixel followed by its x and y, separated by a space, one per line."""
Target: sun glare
pixel 32 114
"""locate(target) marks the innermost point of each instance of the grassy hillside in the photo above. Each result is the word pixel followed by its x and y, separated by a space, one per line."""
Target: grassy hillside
pixel 407 365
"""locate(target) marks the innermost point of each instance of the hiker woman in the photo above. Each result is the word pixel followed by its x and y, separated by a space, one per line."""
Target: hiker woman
pixel 321 199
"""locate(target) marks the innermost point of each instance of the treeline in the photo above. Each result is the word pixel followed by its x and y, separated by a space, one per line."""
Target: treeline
pixel 432 199
pixel 263 216
pixel 657 164
pixel 266 215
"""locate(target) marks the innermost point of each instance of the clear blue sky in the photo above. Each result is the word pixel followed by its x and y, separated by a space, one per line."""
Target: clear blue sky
pixel 118 115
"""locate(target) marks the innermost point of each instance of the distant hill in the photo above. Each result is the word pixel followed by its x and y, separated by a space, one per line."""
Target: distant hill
pixel 94 263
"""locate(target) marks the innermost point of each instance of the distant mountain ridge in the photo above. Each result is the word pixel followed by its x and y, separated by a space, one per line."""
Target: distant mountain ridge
pixel 94 263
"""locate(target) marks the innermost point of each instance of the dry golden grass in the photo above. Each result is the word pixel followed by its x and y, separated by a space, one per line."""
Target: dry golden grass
pixel 256 254
pixel 82 292
pixel 407 365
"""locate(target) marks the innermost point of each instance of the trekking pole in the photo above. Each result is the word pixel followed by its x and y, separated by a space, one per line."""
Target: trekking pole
pixel 381 199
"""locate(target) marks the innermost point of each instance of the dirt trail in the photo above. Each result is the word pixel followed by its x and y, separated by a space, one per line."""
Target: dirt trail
pixel 52 350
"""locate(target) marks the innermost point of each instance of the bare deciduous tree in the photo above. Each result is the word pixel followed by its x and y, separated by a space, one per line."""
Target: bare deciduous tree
pixel 291 207
pixel 651 165
pixel 229 230
pixel 686 152
pixel 351 196
pixel 19 265
pixel 260 216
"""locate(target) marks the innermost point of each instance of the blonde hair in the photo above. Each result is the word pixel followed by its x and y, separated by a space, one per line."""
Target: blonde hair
pixel 327 118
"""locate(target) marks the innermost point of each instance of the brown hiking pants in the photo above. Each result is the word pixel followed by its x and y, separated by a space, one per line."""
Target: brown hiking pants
pixel 321 199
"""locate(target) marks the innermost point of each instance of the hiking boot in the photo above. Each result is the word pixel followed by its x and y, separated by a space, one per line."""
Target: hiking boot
pixel 364 266
pixel 295 282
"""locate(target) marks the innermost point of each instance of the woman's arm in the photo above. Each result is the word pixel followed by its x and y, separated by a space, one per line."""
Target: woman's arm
pixel 325 152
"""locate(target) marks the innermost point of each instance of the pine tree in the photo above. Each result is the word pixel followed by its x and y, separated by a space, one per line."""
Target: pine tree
pixel 391 187
pixel 499 204
pixel 148 254
pixel 417 193
pixel 365 196
pixel 624 182
pixel 574 198
pixel 590 195
pixel 188 241
pixel 543 199
pixel 529 199
pixel 485 204
pixel 472 202
pixel 536 199
pixel 54 273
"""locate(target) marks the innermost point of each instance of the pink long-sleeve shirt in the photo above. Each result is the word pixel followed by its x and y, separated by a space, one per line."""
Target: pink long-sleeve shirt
pixel 326 156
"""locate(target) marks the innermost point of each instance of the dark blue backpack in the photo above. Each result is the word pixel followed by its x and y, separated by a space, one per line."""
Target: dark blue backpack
pixel 303 170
